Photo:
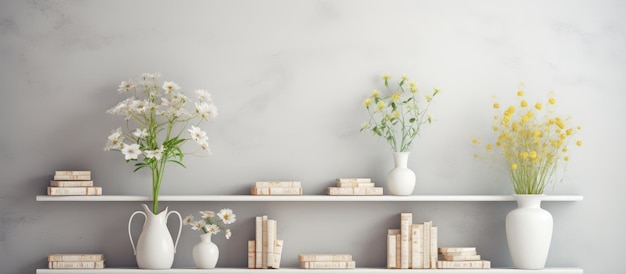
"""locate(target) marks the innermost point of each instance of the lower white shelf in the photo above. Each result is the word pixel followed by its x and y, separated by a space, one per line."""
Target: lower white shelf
pixel 555 270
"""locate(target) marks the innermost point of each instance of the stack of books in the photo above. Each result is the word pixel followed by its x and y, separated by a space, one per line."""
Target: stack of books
pixel 266 250
pixel 461 257
pixel 413 246
pixel 75 261
pixel 73 183
pixel 277 188
pixel 326 261
pixel 355 187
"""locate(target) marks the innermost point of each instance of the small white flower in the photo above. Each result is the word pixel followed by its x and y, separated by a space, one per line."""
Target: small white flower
pixel 115 140
pixel 198 135
pixel 227 216
pixel 203 96
pixel 157 154
pixel 227 234
pixel 188 220
pixel 206 111
pixel 198 225
pixel 141 132
pixel 151 75
pixel 212 228
pixel 139 106
pixel 131 152
pixel 126 86
pixel 170 86
pixel 207 214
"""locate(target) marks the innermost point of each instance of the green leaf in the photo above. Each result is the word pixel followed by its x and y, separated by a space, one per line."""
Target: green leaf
pixel 412 120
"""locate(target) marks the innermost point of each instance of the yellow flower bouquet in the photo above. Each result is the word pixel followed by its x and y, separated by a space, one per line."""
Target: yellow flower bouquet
pixel 533 141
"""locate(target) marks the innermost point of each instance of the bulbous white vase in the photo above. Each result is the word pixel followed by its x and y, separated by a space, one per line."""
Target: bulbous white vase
pixel 401 180
pixel 529 232
pixel 155 247
pixel 205 253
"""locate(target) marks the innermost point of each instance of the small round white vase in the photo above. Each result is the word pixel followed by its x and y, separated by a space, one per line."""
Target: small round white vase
pixel 529 232
pixel 401 179
pixel 205 253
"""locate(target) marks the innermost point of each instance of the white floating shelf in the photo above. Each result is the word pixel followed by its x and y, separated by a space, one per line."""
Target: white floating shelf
pixel 563 270
pixel 301 198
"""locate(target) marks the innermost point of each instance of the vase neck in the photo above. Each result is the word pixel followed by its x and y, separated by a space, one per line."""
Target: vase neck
pixel 401 159
pixel 206 237
pixel 529 200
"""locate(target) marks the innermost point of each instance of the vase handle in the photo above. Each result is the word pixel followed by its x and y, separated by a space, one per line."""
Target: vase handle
pixel 129 222
pixel 180 226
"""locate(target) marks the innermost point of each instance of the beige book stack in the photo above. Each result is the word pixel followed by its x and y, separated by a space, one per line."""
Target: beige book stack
pixel 355 187
pixel 73 183
pixel 265 251
pixel 326 261
pixel 76 261
pixel 461 257
pixel 412 246
pixel 277 188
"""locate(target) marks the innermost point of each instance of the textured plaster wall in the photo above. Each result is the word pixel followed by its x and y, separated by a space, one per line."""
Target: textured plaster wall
pixel 288 78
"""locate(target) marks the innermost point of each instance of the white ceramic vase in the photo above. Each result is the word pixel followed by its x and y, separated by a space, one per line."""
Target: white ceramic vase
pixel 205 253
pixel 155 248
pixel 401 179
pixel 529 232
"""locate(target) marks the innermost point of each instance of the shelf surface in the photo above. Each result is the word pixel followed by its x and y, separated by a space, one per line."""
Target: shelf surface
pixel 301 198
pixel 557 270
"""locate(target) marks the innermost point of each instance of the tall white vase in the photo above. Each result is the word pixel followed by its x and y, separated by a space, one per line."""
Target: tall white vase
pixel 529 232
pixel 155 247
pixel 401 179
pixel 205 253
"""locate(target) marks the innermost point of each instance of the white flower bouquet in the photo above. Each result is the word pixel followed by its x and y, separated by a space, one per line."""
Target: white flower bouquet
pixel 210 222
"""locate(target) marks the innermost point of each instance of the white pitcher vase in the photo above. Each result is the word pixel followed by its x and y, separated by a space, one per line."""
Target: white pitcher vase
pixel 155 248
pixel 529 232
pixel 401 179
pixel 205 253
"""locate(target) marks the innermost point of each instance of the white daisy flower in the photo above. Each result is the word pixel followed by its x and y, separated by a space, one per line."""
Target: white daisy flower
pixel 198 135
pixel 203 96
pixel 157 154
pixel 227 234
pixel 115 140
pixel 227 216
pixel 198 225
pixel 207 214
pixel 131 152
pixel 126 86
pixel 188 220
pixel 212 228
pixel 141 132
pixel 170 86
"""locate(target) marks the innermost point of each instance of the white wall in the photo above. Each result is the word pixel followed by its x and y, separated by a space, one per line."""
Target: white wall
pixel 288 78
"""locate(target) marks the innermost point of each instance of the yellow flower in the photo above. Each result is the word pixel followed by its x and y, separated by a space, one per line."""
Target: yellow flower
pixel 381 105
pixel 395 96
pixel 413 89
pixel 412 84
pixel 367 102
pixel 386 76
pixel 489 146
pixel 396 114
pixel 437 90
pixel 579 143
pixel 375 93
pixel 538 106
pixel 524 155
pixel 552 101
pixel 523 103
pixel 496 105
pixel 514 166
pixel 533 154
pixel 520 93
pixel 428 98
pixel 405 78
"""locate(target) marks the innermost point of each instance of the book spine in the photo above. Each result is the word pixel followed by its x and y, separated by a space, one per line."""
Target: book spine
pixel 398 250
pixel 354 180
pixel 457 249
pixel 463 264
pixel 271 238
pixel 278 253
pixel 73 172
pixel 276 191
pixel 391 251
pixel 264 242
pixel 427 230
pixel 72 177
pixel 89 191
pixel 461 257
pixel 75 257
pixel 71 183
pixel 433 247
pixel 251 254
pixel 354 184
pixel 278 184
pixel 406 220
pixel 417 246
pixel 464 253
pixel 328 265
pixel 76 265
pixel 360 191
pixel 325 257
pixel 259 242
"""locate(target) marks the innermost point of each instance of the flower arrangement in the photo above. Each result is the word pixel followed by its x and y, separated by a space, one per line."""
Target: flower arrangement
pixel 211 222
pixel 534 142
pixel 160 119
pixel 397 116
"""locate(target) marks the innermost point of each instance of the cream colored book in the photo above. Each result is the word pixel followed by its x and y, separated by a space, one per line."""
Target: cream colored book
pixel 391 251
pixel 278 184
pixel 354 180
pixel 456 249
pixel 71 183
pixel 461 257
pixel 351 184
pixel 76 265
pixel 75 257
pixel 278 253
pixel 72 177
pixel 427 229
pixel 417 246
pixel 251 254
pixel 264 242
pixel 406 220
pixel 259 242
pixel 325 257
pixel 398 250
pixel 73 172
pixel 276 191
pixel 433 247
pixel 328 265
pixel 356 191
pixel 271 239
pixel 463 264
pixel 462 253
pixel 76 191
